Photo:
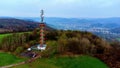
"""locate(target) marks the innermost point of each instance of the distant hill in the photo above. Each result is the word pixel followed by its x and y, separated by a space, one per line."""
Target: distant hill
pixel 116 30
pixel 91 22
pixel 107 28
pixel 17 25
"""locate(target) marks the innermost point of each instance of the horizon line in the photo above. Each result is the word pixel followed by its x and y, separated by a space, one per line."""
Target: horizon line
pixel 56 17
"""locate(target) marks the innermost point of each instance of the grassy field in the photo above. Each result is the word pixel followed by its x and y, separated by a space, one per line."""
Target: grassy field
pixel 7 59
pixel 66 62
pixel 3 35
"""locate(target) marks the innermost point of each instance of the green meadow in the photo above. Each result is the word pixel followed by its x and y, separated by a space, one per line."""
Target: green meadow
pixel 7 59
pixel 66 62
pixel 3 35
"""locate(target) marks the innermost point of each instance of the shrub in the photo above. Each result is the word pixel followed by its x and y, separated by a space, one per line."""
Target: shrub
pixel 18 50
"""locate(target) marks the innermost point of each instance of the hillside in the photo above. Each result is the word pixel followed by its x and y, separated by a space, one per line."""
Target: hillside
pixel 17 25
pixel 64 43
pixel 59 42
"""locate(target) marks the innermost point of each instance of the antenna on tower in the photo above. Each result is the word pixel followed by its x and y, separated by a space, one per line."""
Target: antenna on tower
pixel 42 16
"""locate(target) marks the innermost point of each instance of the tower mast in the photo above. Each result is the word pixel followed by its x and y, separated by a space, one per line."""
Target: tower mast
pixel 42 27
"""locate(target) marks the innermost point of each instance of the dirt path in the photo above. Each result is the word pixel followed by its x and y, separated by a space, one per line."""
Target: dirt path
pixel 8 66
pixel 24 62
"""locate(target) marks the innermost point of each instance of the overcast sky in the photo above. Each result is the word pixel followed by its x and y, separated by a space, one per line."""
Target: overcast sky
pixel 61 8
